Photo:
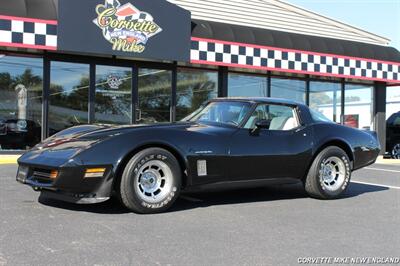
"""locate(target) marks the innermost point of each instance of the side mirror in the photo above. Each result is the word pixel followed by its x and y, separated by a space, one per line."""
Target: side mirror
pixel 262 124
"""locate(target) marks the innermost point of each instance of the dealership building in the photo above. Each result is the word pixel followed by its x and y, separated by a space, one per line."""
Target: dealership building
pixel 71 62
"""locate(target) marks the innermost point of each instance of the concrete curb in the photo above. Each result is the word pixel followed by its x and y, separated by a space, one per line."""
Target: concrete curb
pixel 9 159
pixel 382 160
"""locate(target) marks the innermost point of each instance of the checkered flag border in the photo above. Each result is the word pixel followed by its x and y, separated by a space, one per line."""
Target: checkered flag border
pixel 29 33
pixel 240 55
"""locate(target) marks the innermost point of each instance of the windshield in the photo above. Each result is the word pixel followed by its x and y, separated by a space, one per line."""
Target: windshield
pixel 224 112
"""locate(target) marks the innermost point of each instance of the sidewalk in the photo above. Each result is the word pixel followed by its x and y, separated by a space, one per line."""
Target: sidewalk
pixel 381 160
pixel 8 159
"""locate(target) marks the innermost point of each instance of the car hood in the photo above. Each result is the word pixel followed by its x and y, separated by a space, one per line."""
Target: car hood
pixel 99 131
pixel 60 148
pixel 85 135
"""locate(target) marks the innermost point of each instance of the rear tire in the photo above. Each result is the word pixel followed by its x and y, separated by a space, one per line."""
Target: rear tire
pixel 151 181
pixel 329 174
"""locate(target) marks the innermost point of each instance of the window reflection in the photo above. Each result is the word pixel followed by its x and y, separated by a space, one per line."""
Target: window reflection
pixel 358 106
pixel 392 100
pixel 113 95
pixel 68 99
pixel 292 89
pixel 194 88
pixel 325 97
pixel 247 85
pixel 20 101
pixel 154 95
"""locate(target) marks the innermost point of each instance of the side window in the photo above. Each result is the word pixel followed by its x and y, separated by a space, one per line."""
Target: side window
pixel 279 117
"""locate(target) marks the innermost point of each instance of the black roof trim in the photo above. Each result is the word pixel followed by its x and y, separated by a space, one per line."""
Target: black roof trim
pixel 48 9
pixel 280 39
pixel 39 9
pixel 258 100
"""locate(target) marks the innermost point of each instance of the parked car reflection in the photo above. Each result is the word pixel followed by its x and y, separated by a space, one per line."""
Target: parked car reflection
pixel 393 135
pixel 18 134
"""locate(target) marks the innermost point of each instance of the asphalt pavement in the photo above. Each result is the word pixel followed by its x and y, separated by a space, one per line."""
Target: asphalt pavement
pixel 276 225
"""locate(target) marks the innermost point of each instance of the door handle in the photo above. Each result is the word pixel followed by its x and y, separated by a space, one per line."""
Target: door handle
pixel 300 129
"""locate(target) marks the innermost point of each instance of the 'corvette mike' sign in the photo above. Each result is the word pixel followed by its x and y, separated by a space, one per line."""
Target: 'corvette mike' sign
pixel 146 29
pixel 127 28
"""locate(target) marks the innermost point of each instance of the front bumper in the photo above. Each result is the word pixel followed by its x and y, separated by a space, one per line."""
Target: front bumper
pixel 69 185
pixel 73 198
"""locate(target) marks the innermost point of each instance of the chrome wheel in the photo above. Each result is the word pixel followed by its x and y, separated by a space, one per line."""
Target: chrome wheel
pixel 332 173
pixel 396 151
pixel 153 182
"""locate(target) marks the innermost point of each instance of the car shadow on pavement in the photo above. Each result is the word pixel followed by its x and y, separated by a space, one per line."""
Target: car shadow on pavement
pixel 205 199
pixel 271 193
pixel 356 189
pixel 111 206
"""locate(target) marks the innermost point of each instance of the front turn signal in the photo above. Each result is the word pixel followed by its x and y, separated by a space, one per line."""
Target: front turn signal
pixel 53 174
pixel 94 172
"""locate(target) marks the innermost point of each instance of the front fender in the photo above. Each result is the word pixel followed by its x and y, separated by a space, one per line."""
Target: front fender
pixel 117 150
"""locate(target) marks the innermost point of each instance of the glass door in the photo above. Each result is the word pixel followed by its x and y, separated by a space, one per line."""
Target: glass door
pixel 113 97
pixel 154 95
pixel 68 96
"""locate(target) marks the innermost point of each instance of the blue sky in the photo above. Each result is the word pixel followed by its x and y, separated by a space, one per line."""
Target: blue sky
pixel 381 17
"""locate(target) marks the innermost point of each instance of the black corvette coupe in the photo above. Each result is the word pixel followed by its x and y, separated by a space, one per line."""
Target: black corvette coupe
pixel 228 141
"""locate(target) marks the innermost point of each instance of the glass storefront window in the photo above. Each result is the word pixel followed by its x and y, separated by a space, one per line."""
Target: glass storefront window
pixel 247 85
pixel 113 95
pixel 194 88
pixel 20 102
pixel 392 100
pixel 154 95
pixel 69 94
pixel 325 97
pixel 292 89
pixel 358 106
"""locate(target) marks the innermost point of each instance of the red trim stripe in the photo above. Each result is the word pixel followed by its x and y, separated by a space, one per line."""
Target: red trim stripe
pixel 53 22
pixel 288 70
pixel 293 50
pixel 31 46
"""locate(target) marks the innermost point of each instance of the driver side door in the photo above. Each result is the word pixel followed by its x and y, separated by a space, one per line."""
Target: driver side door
pixel 281 150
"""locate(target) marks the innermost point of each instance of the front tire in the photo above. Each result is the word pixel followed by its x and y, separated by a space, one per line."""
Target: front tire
pixel 151 181
pixel 329 174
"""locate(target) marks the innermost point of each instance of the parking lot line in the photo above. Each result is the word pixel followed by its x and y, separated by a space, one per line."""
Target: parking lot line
pixel 382 169
pixel 374 184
